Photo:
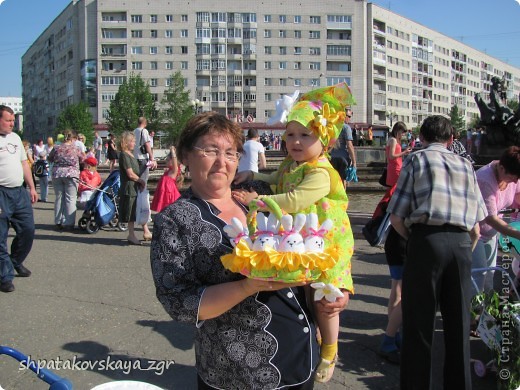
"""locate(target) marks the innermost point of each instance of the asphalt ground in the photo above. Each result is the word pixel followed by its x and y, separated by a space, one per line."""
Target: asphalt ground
pixel 89 310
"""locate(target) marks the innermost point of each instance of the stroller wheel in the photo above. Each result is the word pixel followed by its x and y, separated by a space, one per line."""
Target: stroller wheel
pixel 82 223
pixel 114 222
pixel 92 227
pixel 122 226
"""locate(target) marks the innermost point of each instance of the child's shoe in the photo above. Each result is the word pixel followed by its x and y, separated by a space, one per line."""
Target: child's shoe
pixel 325 370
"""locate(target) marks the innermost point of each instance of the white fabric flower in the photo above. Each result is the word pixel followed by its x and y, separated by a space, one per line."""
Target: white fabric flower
pixel 283 107
pixel 328 291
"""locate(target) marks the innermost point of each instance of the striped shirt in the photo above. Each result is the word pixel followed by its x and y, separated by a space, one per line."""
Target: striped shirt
pixel 437 187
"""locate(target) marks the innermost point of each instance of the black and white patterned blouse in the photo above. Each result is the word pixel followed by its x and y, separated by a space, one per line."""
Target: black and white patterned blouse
pixel 265 342
pixel 457 148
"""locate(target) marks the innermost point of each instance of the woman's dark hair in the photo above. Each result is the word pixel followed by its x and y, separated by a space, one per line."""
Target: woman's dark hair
pixel 398 126
pixel 510 160
pixel 436 128
pixel 209 122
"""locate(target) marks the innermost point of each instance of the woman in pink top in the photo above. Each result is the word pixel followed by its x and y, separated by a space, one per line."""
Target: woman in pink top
pixel 394 155
pixel 498 183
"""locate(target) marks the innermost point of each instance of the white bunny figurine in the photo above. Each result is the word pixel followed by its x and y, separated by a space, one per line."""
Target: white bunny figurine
pixel 314 237
pixel 237 231
pixel 291 239
pixel 266 235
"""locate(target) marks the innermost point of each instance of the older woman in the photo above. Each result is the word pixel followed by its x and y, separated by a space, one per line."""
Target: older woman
pixel 498 183
pixel 130 184
pixel 65 173
pixel 249 333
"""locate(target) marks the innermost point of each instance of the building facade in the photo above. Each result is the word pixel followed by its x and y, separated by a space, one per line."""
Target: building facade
pixel 239 57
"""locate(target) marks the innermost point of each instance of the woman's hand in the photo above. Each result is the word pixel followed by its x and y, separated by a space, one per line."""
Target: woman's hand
pixel 243 196
pixel 332 309
pixel 243 177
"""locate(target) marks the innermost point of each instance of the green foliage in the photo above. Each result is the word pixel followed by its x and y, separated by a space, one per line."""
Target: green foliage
pixel 513 104
pixel 176 108
pixel 76 117
pixel 503 310
pixel 457 120
pixel 133 100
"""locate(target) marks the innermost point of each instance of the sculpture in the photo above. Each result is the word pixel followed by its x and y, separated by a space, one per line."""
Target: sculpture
pixel 501 123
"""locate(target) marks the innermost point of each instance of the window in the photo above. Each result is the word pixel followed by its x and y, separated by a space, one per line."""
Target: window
pixel 155 97
pixel 168 50
pixel 268 50
pixel 107 97
pixel 283 50
pixel 283 64
pixel 153 18
pixel 153 50
pixel 297 82
pixel 184 65
pixel 268 82
pixel 267 18
pixel 168 82
pixel 153 82
pixel 168 34
pixel 297 50
pixel 267 65
pixel 137 50
pixel 315 19
pixel 267 97
pixel 137 65
pixel 168 65
pixel 112 80
pixel 297 34
pixel 282 82
pixel 314 34
pixel 184 49
pixel 282 19
pixel 297 19
pixel 137 33
pixel 315 66
pixel 267 33
pixel 184 33
pixel 153 65
pixel 282 34
pixel 203 33
pixel 153 33
pixel 184 18
pixel 297 65
pixel 314 51
pixel 137 18
pixel 169 18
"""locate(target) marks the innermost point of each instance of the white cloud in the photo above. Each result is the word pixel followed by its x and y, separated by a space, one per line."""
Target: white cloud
pixel 1 1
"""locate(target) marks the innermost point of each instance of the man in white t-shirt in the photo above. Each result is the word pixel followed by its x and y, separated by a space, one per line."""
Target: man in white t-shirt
pixel 15 202
pixel 142 138
pixel 253 157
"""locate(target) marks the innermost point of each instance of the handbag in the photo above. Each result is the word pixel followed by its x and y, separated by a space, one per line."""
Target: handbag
pixel 382 179
pixel 142 148
pixel 142 208
pixel 376 230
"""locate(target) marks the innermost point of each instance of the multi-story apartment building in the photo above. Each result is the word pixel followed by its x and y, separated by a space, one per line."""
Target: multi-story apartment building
pixel 16 104
pixel 239 57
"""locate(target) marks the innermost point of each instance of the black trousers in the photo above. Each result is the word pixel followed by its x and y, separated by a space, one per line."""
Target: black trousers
pixel 436 274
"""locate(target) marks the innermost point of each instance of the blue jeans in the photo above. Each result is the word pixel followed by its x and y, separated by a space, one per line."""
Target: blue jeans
pixel 44 187
pixel 16 211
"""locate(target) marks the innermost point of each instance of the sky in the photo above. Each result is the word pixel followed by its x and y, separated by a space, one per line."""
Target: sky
pixel 489 26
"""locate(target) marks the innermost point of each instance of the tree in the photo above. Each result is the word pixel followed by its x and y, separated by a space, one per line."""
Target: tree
pixel 457 120
pixel 177 109
pixel 76 117
pixel 133 100
pixel 513 105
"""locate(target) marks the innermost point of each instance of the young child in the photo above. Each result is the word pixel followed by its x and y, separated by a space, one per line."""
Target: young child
pixel 89 180
pixel 306 182
pixel 41 171
pixel 167 192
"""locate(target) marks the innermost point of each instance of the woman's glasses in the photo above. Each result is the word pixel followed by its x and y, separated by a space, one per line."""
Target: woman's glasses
pixel 214 153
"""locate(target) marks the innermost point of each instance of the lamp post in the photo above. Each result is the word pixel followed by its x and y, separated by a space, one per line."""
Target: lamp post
pixel 197 106
pixel 392 115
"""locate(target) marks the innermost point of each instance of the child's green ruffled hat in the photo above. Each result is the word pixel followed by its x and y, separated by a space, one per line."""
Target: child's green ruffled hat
pixel 321 110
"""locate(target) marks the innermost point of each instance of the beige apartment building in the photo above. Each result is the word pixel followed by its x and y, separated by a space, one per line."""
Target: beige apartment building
pixel 239 57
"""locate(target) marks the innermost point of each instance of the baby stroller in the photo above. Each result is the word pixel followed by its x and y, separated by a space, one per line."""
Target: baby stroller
pixel 102 208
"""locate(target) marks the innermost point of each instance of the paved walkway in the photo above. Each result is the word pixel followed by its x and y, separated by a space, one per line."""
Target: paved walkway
pixel 91 298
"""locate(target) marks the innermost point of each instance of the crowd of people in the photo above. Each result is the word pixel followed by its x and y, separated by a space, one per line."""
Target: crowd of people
pixel 445 219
